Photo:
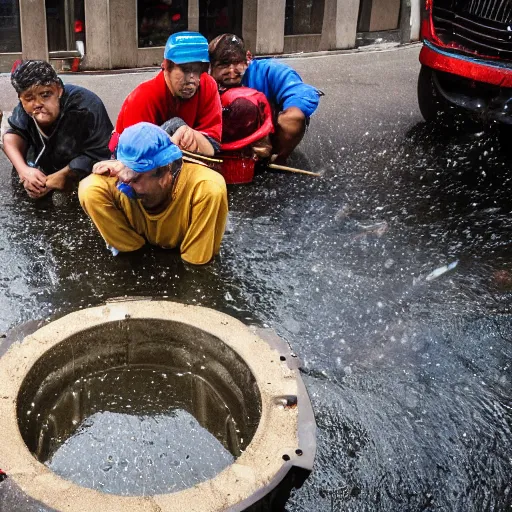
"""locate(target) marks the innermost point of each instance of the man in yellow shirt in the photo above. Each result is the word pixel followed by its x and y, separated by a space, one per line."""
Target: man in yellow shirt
pixel 149 195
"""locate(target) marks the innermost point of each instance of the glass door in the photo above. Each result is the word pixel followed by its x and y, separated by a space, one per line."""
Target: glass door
pixel 65 20
pixel 220 16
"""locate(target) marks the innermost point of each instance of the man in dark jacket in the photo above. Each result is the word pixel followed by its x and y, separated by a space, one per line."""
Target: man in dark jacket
pixel 56 133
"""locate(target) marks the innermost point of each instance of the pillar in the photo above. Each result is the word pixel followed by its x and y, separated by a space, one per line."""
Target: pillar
pixel 340 24
pixel 193 15
pixel 97 34
pixel 263 26
pixel 123 34
pixel 34 39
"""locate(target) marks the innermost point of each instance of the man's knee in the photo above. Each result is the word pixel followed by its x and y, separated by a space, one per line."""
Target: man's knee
pixel 91 189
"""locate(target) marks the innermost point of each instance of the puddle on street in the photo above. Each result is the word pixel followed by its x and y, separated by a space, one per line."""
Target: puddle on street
pixel 410 377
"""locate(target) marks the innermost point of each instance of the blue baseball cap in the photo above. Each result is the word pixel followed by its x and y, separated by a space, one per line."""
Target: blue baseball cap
pixel 145 146
pixel 183 47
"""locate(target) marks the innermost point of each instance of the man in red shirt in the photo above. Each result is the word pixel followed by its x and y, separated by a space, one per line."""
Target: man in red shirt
pixel 183 99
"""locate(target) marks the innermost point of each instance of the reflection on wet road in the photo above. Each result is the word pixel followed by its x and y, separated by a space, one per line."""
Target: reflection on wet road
pixel 410 377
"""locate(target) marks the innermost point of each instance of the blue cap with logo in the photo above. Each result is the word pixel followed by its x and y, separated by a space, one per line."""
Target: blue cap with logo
pixel 184 47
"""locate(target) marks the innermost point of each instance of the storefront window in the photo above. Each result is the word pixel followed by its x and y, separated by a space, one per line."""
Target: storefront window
pixel 220 16
pixel 10 35
pixel 65 21
pixel 303 17
pixel 158 19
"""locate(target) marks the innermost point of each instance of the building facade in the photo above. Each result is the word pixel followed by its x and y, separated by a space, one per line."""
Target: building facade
pixel 115 34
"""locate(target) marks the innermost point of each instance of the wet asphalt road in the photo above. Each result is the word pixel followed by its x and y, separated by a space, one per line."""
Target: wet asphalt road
pixel 410 377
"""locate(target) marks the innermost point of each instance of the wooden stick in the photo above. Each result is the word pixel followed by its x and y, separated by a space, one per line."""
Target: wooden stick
pixel 194 161
pixel 202 157
pixel 292 169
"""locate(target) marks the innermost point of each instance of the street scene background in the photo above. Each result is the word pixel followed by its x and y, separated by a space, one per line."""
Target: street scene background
pixel 408 364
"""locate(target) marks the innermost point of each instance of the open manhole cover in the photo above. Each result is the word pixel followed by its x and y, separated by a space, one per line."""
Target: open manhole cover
pixel 147 405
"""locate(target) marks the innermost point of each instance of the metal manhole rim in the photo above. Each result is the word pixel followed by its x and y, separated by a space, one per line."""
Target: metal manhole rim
pixel 272 451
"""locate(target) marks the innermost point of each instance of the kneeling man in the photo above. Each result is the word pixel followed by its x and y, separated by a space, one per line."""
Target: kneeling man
pixel 149 194
pixel 56 132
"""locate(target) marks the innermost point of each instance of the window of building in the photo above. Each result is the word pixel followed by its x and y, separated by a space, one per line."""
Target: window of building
pixel 65 24
pixel 158 19
pixel 303 17
pixel 10 35
pixel 376 15
pixel 220 16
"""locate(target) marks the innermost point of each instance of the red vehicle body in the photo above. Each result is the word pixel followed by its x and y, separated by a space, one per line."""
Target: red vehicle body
pixel 466 58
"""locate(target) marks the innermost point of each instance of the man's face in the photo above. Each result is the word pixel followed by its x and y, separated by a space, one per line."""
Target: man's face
pixel 42 102
pixel 183 79
pixel 229 74
pixel 153 190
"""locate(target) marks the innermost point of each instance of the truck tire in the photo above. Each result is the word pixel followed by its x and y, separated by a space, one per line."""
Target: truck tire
pixel 429 102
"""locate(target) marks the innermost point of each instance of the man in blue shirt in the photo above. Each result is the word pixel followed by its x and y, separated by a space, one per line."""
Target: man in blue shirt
pixel 292 100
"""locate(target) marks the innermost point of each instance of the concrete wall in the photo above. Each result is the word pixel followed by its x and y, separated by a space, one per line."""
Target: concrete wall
pixel 34 41
pixel 7 60
pixel 111 30
pixel 97 35
pixel 384 15
pixel 150 57
pixel 263 26
pixel 111 34
pixel 302 43
pixel 415 19
pixel 123 33
pixel 340 24
pixel 249 19
pixel 270 27
pixel 193 15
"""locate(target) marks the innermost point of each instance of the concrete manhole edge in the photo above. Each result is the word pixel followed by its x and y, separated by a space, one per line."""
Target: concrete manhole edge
pixel 254 473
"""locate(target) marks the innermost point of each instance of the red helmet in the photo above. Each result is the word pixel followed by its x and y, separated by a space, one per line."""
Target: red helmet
pixel 246 113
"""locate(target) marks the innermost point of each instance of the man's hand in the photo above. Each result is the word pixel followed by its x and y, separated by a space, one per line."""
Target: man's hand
pixel 185 138
pixel 108 167
pixel 34 181
pixel 262 148
pixel 61 180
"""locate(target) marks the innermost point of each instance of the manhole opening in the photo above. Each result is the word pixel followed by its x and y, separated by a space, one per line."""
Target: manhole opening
pixel 137 407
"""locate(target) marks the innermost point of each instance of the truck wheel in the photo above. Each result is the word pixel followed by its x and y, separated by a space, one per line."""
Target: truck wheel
pixel 428 100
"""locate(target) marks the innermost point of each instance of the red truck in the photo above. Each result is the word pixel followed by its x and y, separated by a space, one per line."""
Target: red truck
pixel 466 59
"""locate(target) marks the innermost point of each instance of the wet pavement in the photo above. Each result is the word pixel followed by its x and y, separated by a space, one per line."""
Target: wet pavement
pixel 409 372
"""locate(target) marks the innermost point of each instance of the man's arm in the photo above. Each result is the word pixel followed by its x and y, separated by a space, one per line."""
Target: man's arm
pixel 33 179
pixel 63 179
pixel 187 138
pixel 282 86
pixel 208 123
pixel 191 140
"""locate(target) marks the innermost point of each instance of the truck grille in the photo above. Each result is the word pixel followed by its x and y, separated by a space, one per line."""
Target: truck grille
pixel 494 10
pixel 481 26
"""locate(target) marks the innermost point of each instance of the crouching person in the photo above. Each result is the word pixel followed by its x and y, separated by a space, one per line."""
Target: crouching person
pixel 56 133
pixel 149 195
pixel 293 101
